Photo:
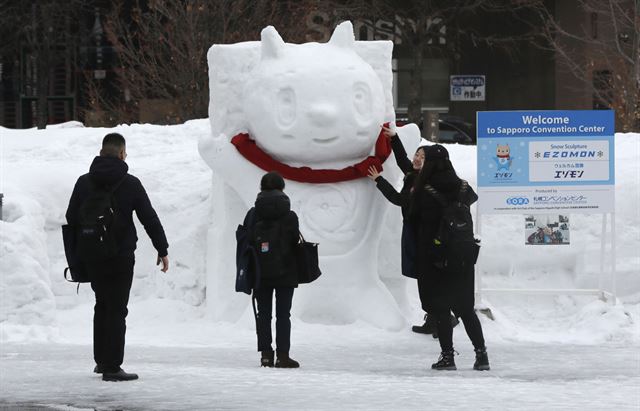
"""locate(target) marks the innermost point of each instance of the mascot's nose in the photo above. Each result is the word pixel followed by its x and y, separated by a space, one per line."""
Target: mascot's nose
pixel 323 114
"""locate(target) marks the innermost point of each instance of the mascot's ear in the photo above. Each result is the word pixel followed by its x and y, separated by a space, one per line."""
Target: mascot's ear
pixel 343 36
pixel 272 45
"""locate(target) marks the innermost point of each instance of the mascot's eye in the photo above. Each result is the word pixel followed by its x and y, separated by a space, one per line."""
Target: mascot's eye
pixel 286 102
pixel 362 99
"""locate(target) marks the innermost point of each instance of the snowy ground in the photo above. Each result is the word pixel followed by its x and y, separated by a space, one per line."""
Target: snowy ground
pixel 342 368
pixel 546 352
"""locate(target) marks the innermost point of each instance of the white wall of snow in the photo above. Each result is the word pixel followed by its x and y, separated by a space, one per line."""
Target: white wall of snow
pixel 38 169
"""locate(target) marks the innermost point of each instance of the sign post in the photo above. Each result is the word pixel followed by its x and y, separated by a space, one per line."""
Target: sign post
pixel 547 162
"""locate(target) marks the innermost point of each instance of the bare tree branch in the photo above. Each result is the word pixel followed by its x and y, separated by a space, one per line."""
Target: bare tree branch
pixel 614 51
pixel 162 48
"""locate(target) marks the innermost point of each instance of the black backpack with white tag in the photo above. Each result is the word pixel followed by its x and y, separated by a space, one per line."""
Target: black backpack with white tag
pixel 269 245
pixel 455 243
pixel 97 215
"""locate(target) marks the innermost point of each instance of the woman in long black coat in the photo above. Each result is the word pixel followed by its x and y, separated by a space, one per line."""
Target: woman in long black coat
pixel 274 233
pixel 450 288
pixel 410 169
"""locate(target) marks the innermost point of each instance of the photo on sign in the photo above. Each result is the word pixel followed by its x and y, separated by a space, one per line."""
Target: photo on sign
pixel 546 229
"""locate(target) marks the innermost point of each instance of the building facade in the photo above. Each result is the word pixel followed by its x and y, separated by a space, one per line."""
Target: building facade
pixel 460 76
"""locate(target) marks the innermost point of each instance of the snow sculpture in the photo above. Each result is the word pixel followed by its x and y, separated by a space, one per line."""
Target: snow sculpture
pixel 310 105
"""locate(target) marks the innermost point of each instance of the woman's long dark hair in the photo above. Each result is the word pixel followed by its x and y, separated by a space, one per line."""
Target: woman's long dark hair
pixel 429 169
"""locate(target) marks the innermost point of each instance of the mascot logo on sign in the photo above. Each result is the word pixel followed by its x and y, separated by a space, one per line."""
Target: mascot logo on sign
pixel 503 157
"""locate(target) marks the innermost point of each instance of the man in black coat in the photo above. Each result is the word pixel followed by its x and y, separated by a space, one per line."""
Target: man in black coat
pixel 111 279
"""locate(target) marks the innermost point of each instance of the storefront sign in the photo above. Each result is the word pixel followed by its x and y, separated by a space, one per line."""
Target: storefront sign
pixel 467 88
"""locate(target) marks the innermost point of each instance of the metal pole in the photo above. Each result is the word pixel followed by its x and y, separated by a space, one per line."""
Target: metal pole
pixel 478 267
pixel 1 195
pixel 614 284
pixel 603 241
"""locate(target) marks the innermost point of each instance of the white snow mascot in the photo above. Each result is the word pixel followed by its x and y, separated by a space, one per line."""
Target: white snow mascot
pixel 312 112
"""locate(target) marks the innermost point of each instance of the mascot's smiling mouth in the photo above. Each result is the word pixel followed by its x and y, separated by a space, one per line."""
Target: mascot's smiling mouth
pixel 325 140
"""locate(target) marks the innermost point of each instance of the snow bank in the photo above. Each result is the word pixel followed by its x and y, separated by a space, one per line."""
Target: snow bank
pixel 27 300
pixel 38 169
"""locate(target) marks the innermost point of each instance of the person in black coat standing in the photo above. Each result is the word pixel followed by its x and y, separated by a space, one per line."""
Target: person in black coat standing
pixel 452 287
pixel 111 279
pixel 275 234
pixel 410 169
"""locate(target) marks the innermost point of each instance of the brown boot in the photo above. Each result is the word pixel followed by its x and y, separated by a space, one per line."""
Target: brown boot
pixel 284 361
pixel 266 359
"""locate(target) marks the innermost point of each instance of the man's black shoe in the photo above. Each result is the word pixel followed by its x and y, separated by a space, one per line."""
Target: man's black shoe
pixel 98 369
pixel 119 375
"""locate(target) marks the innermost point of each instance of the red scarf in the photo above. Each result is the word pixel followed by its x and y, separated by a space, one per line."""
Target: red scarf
pixel 248 148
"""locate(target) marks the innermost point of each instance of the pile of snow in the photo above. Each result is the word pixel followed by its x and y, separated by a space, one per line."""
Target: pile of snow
pixel 27 298
pixel 40 167
pixel 39 170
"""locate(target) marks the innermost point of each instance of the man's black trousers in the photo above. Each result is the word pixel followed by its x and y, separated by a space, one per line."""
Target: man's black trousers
pixel 111 282
pixel 264 298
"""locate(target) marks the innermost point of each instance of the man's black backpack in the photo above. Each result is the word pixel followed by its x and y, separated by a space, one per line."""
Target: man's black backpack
pixel 455 243
pixel 91 240
pixel 270 245
pixel 97 216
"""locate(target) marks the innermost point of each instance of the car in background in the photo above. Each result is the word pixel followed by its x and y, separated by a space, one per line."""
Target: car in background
pixel 451 129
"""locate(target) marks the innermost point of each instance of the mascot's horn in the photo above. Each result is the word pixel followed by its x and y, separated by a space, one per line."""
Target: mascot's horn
pixel 343 35
pixel 272 44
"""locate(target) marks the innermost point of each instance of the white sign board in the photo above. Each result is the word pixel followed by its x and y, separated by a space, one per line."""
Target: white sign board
pixel 532 162
pixel 467 88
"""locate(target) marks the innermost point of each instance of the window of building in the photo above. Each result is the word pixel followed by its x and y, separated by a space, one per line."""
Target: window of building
pixel 594 25
pixel 435 83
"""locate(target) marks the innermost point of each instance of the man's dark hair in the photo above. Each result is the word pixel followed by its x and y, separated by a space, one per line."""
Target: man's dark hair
pixel 112 144
pixel 272 181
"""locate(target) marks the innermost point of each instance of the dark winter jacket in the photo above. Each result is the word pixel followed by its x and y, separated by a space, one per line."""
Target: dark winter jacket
pixel 130 196
pixel 274 205
pixel 425 215
pixel 401 198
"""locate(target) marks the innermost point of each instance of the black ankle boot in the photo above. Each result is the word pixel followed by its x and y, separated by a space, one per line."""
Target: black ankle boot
pixel 445 362
pixel 429 326
pixel 284 361
pixel 482 360
pixel 266 359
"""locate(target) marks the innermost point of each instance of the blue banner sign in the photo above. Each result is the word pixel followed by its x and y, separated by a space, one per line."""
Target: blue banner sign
pixel 547 161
